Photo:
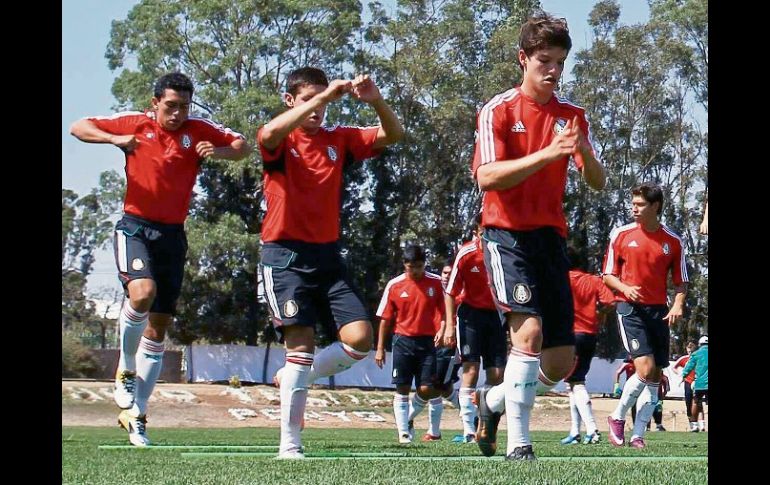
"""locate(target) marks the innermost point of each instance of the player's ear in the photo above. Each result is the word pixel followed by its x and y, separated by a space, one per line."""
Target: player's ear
pixel 288 99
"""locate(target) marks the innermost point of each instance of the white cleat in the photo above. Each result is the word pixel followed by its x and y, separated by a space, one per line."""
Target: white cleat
pixel 137 433
pixel 125 385
pixel 404 439
pixel 293 454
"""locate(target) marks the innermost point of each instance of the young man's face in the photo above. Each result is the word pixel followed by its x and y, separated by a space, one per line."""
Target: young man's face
pixel 642 210
pixel 445 272
pixel 304 94
pixel 172 109
pixel 415 270
pixel 542 70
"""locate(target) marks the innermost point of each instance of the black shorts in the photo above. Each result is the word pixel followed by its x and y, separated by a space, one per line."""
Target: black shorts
pixel 414 358
pixel 701 396
pixel 307 283
pixel 585 348
pixel 147 249
pixel 447 365
pixel 480 334
pixel 529 273
pixel 643 330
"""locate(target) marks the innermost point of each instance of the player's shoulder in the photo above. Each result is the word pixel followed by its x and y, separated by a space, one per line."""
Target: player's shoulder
pixel 396 280
pixel 565 103
pixel 624 229
pixel 506 98
pixel 671 234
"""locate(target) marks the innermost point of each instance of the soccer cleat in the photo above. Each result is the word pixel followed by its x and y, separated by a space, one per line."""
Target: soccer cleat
pixel 410 429
pixel 468 438
pixel 404 439
pixel 617 431
pixel 292 454
pixel 590 439
pixel 486 433
pixel 660 427
pixel 521 453
pixel 136 427
pixel 430 437
pixel 571 440
pixel 125 385
pixel 637 443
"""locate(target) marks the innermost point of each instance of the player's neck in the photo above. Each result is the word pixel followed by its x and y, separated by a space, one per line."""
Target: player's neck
pixel 651 225
pixel 540 97
pixel 310 131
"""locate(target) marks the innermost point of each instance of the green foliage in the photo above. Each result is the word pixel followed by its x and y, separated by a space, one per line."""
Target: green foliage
pixel 76 359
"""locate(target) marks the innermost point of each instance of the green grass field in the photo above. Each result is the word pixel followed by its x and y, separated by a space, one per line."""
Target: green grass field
pixel 668 458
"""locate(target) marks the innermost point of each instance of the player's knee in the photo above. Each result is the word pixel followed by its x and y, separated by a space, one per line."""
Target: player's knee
pixel 142 293
pixel 358 335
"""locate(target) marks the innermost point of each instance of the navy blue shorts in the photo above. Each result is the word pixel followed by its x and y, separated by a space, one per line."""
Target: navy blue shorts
pixel 147 249
pixel 447 365
pixel 585 348
pixel 701 396
pixel 414 358
pixel 643 330
pixel 481 334
pixel 307 283
pixel 529 273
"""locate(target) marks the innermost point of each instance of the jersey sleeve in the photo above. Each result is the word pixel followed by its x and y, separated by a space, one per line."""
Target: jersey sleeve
pixel 679 269
pixel 118 124
pixel 360 141
pixel 490 135
pixel 268 155
pixel 217 134
pixel 386 310
pixel 456 284
pixel 612 259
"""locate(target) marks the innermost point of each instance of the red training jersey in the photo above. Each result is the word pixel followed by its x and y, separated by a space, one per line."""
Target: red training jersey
pixel 587 290
pixel 416 305
pixel 680 363
pixel 161 170
pixel 469 279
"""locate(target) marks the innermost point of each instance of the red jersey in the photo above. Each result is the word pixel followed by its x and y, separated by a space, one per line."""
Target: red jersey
pixel 469 274
pixel 642 258
pixel 587 290
pixel 511 126
pixel 629 368
pixel 161 170
pixel 303 181
pixel 416 305
pixel 680 363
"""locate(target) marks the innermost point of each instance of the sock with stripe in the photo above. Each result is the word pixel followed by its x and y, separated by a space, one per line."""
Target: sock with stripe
pixel 574 415
pixel 583 404
pixel 335 358
pixel 435 410
pixel 416 405
pixel 149 362
pixel 294 382
pixel 468 411
pixel 631 390
pixel 645 406
pixel 401 413
pixel 132 324
pixel 520 380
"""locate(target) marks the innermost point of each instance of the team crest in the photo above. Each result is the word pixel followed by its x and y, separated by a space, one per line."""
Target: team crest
pixel 634 344
pixel 294 152
pixel 666 248
pixel 137 264
pixel 521 293
pixel 290 308
pixel 331 150
pixel 186 141
pixel 466 349
pixel 558 127
pixel 430 292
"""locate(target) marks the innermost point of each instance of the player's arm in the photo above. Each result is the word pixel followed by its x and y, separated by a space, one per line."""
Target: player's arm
pixel 279 127
pixel 592 170
pixel 677 309
pixel 614 283
pixel 236 150
pixel 87 131
pixel 386 325
pixel 390 130
pixel 450 340
pixel 690 365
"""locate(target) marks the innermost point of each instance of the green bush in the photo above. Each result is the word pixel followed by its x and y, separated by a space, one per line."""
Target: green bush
pixel 76 359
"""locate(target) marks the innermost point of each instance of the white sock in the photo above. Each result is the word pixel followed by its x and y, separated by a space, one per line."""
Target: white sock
pixel 631 390
pixel 496 398
pixel 583 403
pixel 575 415
pixel 702 425
pixel 132 324
pixel 544 384
pixel 520 380
pixel 468 411
pixel 416 405
pixel 401 412
pixel 294 382
pixel 334 359
pixel 645 406
pixel 454 398
pixel 435 410
pixel 149 361
pixel 693 425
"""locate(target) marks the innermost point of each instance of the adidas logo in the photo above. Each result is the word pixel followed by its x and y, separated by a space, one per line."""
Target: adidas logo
pixel 633 244
pixel 475 269
pixel 404 294
pixel 518 127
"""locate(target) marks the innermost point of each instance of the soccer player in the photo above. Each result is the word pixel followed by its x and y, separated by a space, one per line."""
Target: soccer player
pixel 588 292
pixel 302 269
pixel 688 380
pixel 474 326
pixel 412 308
pixel 164 148
pixel 636 267
pixel 527 139
pixel 699 361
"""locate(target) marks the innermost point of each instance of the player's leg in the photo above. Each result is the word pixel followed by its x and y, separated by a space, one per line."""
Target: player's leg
pixel 403 368
pixel 585 347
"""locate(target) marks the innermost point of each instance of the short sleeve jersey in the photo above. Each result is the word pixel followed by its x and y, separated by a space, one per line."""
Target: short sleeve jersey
pixel 511 126
pixel 416 305
pixel 587 290
pixel 642 258
pixel 680 363
pixel 303 181
pixel 469 277
pixel 161 171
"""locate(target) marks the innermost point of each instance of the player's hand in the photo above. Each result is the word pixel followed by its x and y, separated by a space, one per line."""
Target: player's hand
pixel 336 89
pixel 379 358
pixel 673 315
pixel 704 227
pixel 438 339
pixel 632 292
pixel 565 143
pixel 365 90
pixel 205 149
pixel 449 340
pixel 617 391
pixel 127 143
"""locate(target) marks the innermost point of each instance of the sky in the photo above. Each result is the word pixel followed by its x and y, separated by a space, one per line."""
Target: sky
pixel 87 83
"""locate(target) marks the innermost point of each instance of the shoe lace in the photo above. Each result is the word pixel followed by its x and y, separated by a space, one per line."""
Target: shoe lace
pixel 141 424
pixel 128 380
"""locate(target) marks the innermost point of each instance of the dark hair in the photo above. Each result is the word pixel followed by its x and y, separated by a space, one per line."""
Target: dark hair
pixel 173 80
pixel 542 31
pixel 576 258
pixel 414 253
pixel 305 76
pixel 650 192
